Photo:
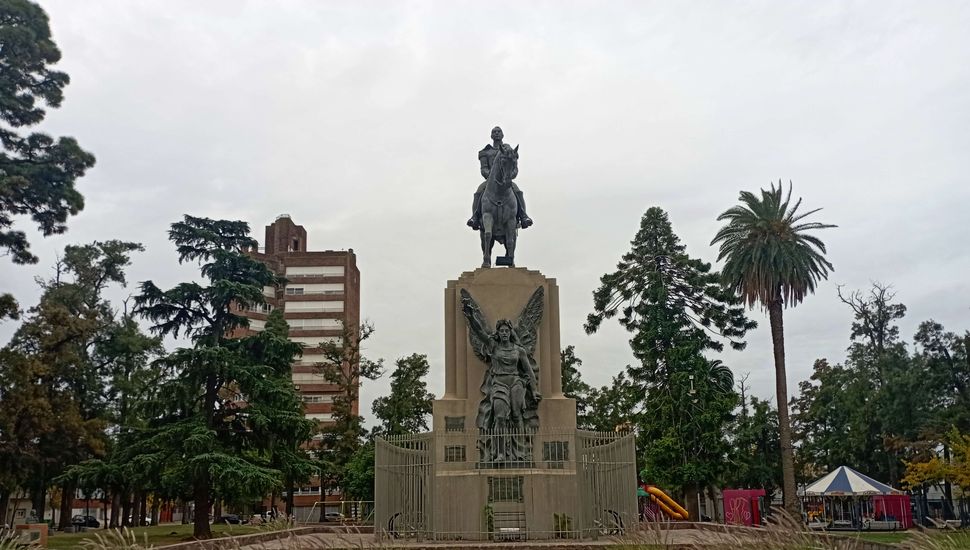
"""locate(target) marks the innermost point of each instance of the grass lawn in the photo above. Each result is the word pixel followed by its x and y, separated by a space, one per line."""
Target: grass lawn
pixel 158 535
pixel 944 539
pixel 888 538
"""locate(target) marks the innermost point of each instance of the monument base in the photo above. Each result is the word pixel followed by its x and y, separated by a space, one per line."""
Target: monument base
pixel 433 486
pixel 458 483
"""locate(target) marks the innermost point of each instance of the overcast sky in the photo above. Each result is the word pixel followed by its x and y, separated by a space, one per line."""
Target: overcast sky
pixel 362 120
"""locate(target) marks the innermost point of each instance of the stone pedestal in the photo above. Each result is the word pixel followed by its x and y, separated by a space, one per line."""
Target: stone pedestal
pixel 501 294
pixel 577 484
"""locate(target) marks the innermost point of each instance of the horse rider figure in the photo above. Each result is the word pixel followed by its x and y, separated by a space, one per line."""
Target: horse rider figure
pixel 486 157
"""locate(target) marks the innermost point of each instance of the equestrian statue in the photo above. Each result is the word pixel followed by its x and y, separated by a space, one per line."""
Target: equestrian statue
pixel 498 209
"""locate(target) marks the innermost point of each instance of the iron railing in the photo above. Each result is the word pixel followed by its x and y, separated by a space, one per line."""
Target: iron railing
pixel 569 484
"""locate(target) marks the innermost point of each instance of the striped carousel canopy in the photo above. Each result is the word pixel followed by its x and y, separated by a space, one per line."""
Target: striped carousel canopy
pixel 845 481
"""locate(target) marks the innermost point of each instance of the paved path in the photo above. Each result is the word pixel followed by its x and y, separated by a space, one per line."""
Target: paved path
pixel 674 538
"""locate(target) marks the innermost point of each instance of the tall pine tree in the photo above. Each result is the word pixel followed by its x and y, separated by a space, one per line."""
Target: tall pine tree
pixel 677 310
pixel 230 404
pixel 37 172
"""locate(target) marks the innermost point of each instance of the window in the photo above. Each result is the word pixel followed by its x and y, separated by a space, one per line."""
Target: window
pixel 454 423
pixel 330 289
pixel 320 417
pixel 311 359
pixel 555 453
pixel 257 324
pixel 315 324
pixel 505 488
pixel 308 378
pixel 454 453
pixel 294 291
pixel 269 291
pixel 315 271
pixel 333 306
pixel 258 308
pixel 316 341
pixel 317 398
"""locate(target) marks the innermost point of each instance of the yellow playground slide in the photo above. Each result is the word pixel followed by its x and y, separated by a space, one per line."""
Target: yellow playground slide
pixel 668 505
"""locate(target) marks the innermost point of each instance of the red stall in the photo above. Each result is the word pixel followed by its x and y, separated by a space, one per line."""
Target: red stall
pixel 744 506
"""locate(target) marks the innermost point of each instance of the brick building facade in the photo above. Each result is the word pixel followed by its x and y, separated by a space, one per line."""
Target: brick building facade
pixel 320 298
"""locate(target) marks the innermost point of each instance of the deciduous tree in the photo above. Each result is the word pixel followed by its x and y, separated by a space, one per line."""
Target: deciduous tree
pixel 407 408
pixel 344 366
pixel 63 332
pixel 573 385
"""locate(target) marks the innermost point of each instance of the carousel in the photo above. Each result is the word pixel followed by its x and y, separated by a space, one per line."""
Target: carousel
pixel 844 499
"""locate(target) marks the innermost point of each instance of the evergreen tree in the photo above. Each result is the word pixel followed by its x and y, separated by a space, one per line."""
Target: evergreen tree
pixel 573 384
pixel 678 310
pixel 229 403
pixel 407 408
pixel 124 354
pixel 291 457
pixel 37 172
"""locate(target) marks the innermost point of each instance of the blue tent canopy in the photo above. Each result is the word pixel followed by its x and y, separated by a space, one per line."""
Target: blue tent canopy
pixel 845 481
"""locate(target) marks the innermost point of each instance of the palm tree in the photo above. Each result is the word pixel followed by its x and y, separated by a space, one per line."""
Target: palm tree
pixel 770 260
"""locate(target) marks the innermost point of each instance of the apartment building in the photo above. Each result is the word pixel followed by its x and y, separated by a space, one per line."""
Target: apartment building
pixel 320 298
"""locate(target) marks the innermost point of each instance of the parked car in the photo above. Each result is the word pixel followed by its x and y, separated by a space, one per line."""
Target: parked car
pixel 230 519
pixel 333 516
pixel 148 520
pixel 85 521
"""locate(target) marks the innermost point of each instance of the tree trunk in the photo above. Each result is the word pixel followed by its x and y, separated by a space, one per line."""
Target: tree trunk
pixel 18 494
pixel 38 499
pixel 201 529
pixel 67 505
pixel 290 489
pixel 126 509
pixel 185 512
pixel 784 422
pixel 4 503
pixel 691 502
pixel 115 509
pixel 948 512
pixel 138 510
pixel 155 510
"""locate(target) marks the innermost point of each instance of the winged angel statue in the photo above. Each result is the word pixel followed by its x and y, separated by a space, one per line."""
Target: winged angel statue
pixel 508 412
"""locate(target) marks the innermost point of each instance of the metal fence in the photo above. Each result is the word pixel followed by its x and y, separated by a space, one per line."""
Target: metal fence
pixel 572 484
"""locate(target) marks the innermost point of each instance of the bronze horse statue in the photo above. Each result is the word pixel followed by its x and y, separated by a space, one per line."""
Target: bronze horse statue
pixel 499 208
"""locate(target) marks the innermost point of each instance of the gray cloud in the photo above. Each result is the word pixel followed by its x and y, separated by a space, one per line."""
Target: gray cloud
pixel 363 121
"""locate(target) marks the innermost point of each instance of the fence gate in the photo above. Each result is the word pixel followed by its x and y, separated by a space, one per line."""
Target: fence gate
pixel 577 484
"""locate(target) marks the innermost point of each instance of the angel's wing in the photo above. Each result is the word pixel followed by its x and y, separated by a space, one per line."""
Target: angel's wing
pixel 477 325
pixel 527 326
